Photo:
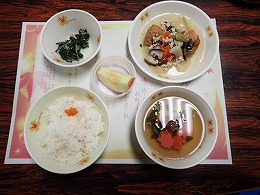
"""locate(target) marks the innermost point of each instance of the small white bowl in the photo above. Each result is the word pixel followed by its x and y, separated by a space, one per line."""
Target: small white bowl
pixel 208 118
pixel 32 137
pixel 197 16
pixel 117 63
pixel 64 24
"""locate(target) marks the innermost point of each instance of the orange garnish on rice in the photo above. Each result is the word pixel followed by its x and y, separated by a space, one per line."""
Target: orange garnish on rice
pixel 83 161
pixel 71 111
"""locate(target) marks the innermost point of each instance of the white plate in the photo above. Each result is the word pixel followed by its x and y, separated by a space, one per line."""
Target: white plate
pixel 32 137
pixel 200 18
pixel 210 122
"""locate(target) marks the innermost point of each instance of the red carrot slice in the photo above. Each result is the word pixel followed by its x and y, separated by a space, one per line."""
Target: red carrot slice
pixel 71 111
pixel 178 142
pixel 166 34
pixel 196 42
pixel 192 32
pixel 165 139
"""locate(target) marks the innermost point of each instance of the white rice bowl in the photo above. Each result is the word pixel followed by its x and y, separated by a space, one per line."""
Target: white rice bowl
pixel 69 139
pixel 70 130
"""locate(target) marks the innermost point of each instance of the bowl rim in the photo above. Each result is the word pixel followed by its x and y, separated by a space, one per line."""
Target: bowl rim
pixel 99 153
pixel 156 77
pixel 146 145
pixel 80 63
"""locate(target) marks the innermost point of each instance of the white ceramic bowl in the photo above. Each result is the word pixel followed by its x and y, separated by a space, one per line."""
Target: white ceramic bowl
pixel 33 138
pixel 208 118
pixel 64 24
pixel 117 63
pixel 197 16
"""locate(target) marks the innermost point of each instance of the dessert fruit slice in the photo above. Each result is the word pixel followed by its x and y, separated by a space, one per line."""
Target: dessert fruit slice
pixel 115 80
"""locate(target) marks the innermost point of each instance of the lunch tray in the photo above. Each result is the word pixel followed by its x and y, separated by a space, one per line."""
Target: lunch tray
pixel 36 75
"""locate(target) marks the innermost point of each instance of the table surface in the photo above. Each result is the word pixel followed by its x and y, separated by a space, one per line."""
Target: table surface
pixel 238 27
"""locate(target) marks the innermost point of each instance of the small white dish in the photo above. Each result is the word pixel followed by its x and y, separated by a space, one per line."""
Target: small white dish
pixel 64 24
pixel 208 36
pixel 36 123
pixel 209 136
pixel 116 63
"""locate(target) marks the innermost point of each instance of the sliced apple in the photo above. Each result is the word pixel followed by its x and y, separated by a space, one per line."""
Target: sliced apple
pixel 115 80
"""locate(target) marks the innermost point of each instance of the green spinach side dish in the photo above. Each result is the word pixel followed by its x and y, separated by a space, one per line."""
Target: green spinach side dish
pixel 69 50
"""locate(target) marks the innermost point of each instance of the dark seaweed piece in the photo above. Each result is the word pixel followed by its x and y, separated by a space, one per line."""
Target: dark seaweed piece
pixel 153 119
pixel 69 50
pixel 169 28
pixel 186 47
pixel 83 38
pixel 157 128
pixel 173 125
pixel 188 138
pixel 154 122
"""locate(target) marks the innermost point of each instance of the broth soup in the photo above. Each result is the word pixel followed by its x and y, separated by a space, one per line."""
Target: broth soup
pixel 174 127
pixel 172 44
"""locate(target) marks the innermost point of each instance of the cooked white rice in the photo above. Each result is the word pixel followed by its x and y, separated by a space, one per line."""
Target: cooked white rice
pixel 69 139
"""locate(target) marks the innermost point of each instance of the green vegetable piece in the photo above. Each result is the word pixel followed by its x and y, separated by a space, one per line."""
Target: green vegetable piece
pixel 180 37
pixel 70 50
pixel 185 22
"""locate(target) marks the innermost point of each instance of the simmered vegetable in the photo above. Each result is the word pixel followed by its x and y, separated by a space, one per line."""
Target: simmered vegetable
pixel 168 44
